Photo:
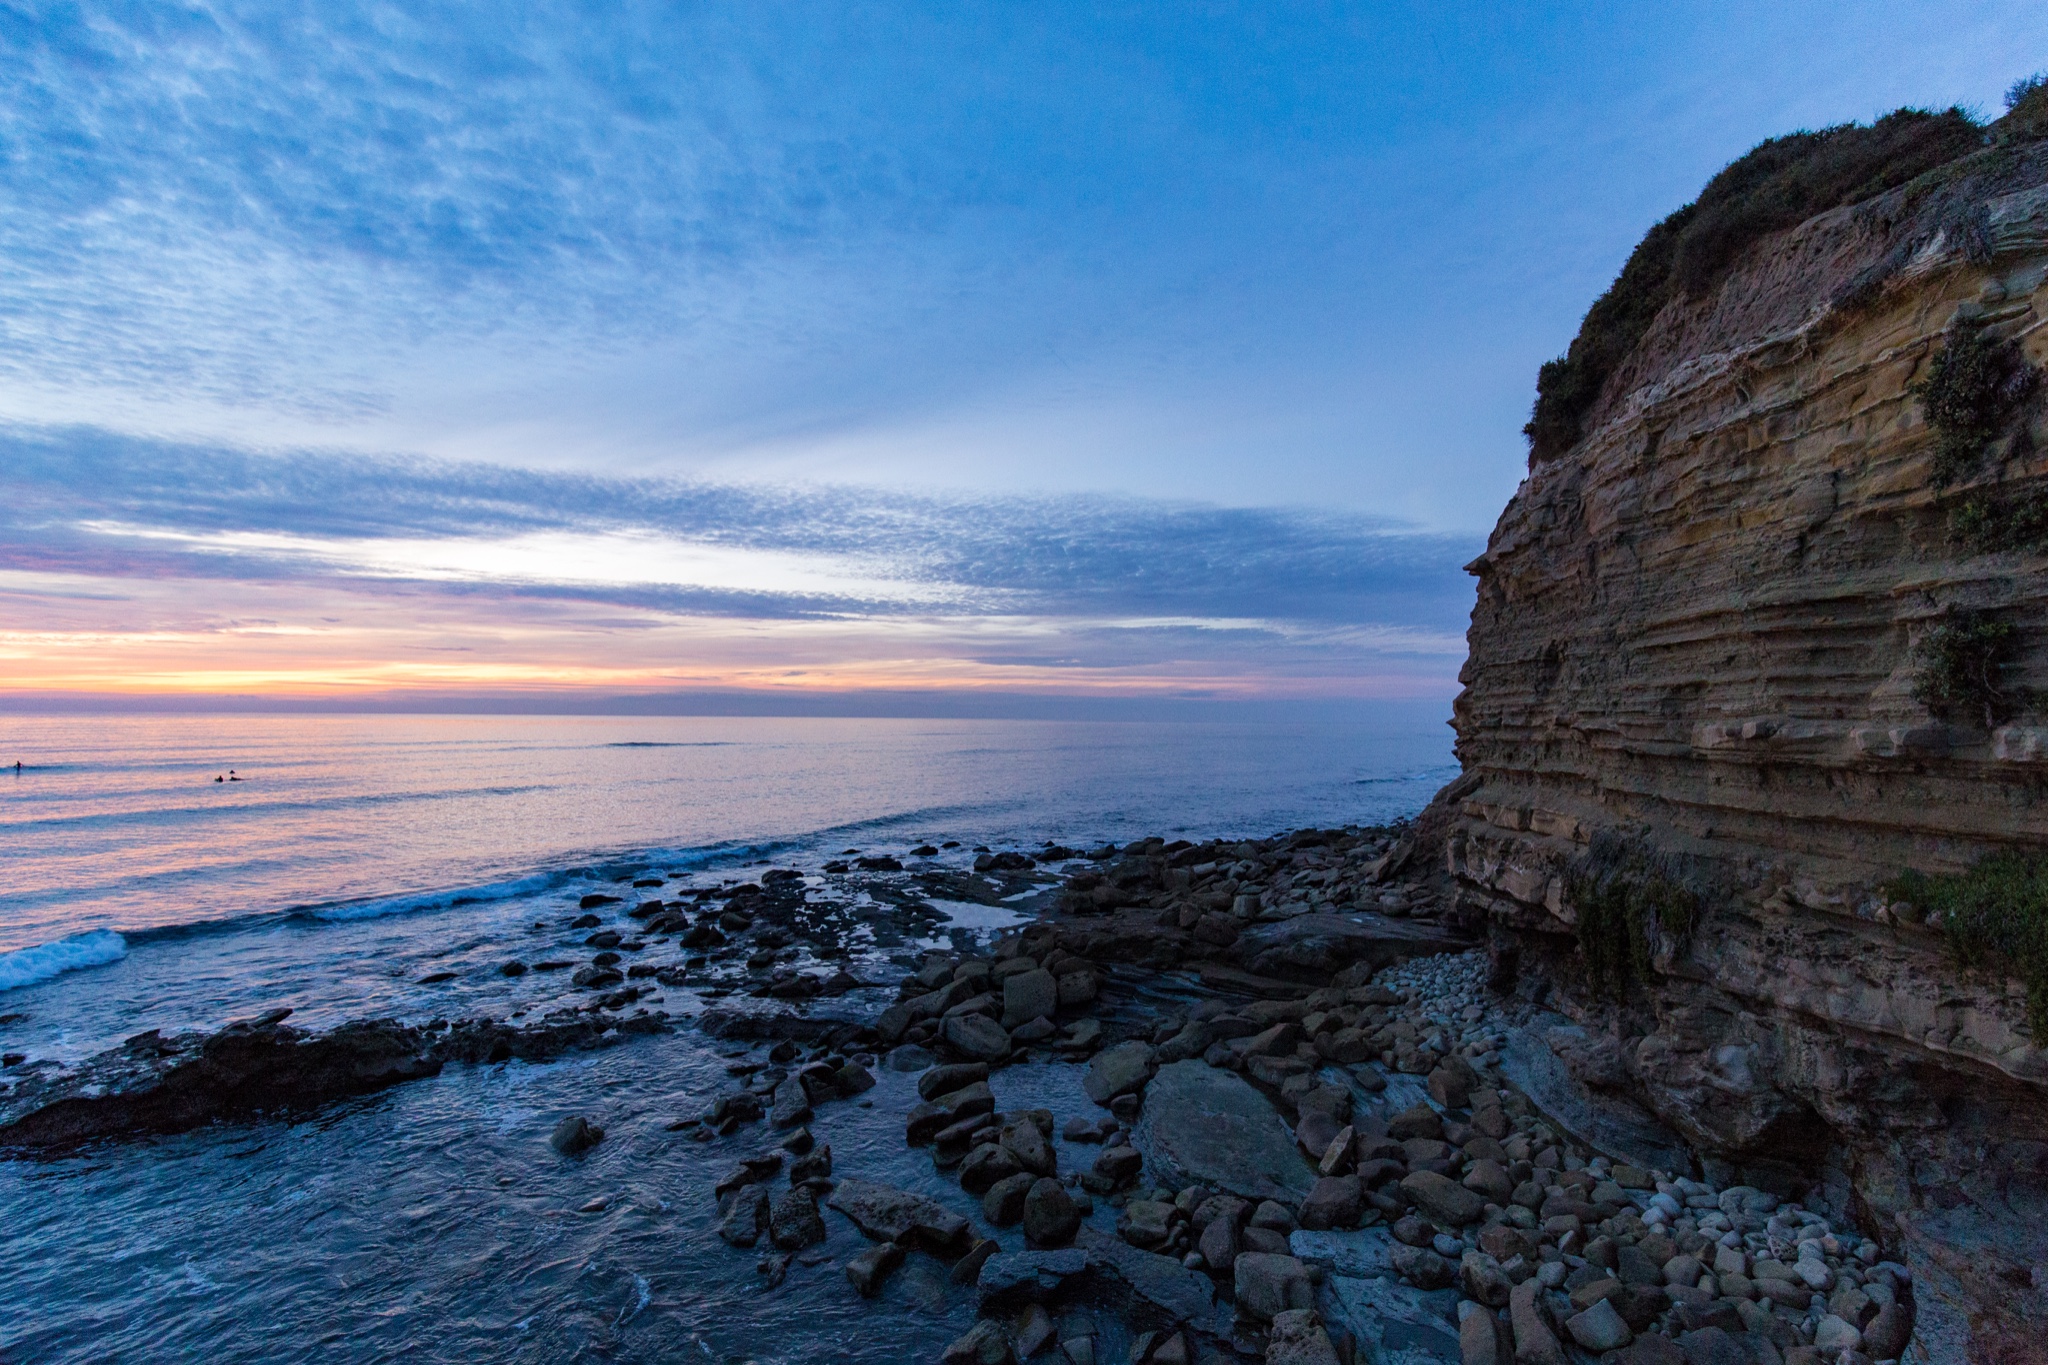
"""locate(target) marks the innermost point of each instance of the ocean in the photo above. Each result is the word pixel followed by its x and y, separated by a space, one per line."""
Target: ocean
pixel 385 866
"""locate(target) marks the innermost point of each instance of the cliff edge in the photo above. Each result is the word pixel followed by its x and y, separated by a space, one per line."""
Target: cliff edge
pixel 1760 658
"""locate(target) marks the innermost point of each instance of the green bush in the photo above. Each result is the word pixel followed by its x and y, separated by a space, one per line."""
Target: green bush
pixel 1976 387
pixel 1962 665
pixel 1778 184
pixel 1994 914
pixel 2013 524
pixel 1623 896
pixel 2026 109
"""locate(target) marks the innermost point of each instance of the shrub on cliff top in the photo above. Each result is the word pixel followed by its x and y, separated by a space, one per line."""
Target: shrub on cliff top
pixel 1994 914
pixel 1777 185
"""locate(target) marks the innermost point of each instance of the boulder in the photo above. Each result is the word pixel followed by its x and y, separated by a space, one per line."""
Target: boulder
pixel 1118 1166
pixel 894 1215
pixel 1478 1338
pixel 976 1036
pixel 1003 1204
pixel 1297 1338
pixel 985 1165
pixel 1599 1328
pixel 1317 946
pixel 1535 1343
pixel 1442 1199
pixel 746 1211
pixel 1120 1070
pixel 1027 1144
pixel 1203 1126
pixel 1268 1285
pixel 575 1135
pixel 1422 1267
pixel 986 1343
pixel 1008 1278
pixel 1050 1218
pixel 1028 996
pixel 1333 1202
pixel 792 1104
pixel 866 1271
pixel 794 1221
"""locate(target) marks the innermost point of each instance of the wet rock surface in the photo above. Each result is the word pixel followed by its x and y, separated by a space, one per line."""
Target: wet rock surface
pixel 1189 1146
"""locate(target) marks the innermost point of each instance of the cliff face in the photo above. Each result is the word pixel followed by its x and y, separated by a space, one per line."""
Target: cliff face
pixel 1693 654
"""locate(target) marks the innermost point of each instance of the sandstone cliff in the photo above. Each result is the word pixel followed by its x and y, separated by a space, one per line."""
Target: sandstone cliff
pixel 1695 654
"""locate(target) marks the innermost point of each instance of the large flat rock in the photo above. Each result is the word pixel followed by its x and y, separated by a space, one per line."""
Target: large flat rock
pixel 1393 1323
pixel 1203 1125
pixel 1319 945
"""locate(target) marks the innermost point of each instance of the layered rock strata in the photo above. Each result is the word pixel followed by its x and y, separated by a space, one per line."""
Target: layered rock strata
pixel 1693 652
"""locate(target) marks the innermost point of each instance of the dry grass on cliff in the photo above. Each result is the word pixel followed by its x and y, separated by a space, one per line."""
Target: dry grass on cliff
pixel 1996 914
pixel 1778 184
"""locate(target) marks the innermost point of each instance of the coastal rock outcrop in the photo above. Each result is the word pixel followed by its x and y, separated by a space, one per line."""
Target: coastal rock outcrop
pixel 1722 693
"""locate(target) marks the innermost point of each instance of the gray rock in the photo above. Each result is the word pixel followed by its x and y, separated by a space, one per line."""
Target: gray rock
pixel 1119 1070
pixel 794 1221
pixel 945 1080
pixel 1393 1323
pixel 1535 1343
pixel 1050 1218
pixel 1183 1295
pixel 1886 1335
pixel 1599 1328
pixel 866 1271
pixel 1118 1166
pixel 746 1212
pixel 1147 1223
pixel 1028 996
pixel 909 1057
pixel 1218 1245
pixel 986 1343
pixel 1297 1338
pixel 575 1135
pixel 1833 1335
pixel 1333 1202
pixel 1003 1204
pixel 1210 1127
pixel 1023 1140
pixel 894 1215
pixel 1442 1199
pixel 792 1104
pixel 1010 1277
pixel 1422 1267
pixel 1268 1285
pixel 1478 1338
pixel 985 1165
pixel 976 1036
pixel 1361 1254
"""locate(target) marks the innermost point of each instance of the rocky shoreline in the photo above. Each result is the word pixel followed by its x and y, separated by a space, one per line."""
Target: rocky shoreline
pixel 1316 1137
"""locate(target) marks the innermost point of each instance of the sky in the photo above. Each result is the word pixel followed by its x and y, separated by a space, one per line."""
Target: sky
pixel 1172 352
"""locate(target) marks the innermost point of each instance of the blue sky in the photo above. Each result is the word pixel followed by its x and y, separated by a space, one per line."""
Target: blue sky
pixel 1178 347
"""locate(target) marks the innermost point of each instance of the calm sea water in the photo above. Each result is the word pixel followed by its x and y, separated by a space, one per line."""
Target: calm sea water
pixel 357 855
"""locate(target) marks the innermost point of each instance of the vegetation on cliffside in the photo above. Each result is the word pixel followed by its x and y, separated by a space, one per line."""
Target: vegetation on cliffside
pixel 1996 914
pixel 1776 185
pixel 1625 899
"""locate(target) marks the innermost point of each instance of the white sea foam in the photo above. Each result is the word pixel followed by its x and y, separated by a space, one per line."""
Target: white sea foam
pixel 26 966
pixel 408 904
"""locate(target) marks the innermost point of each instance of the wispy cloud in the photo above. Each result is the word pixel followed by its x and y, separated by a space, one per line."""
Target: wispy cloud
pixel 114 548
